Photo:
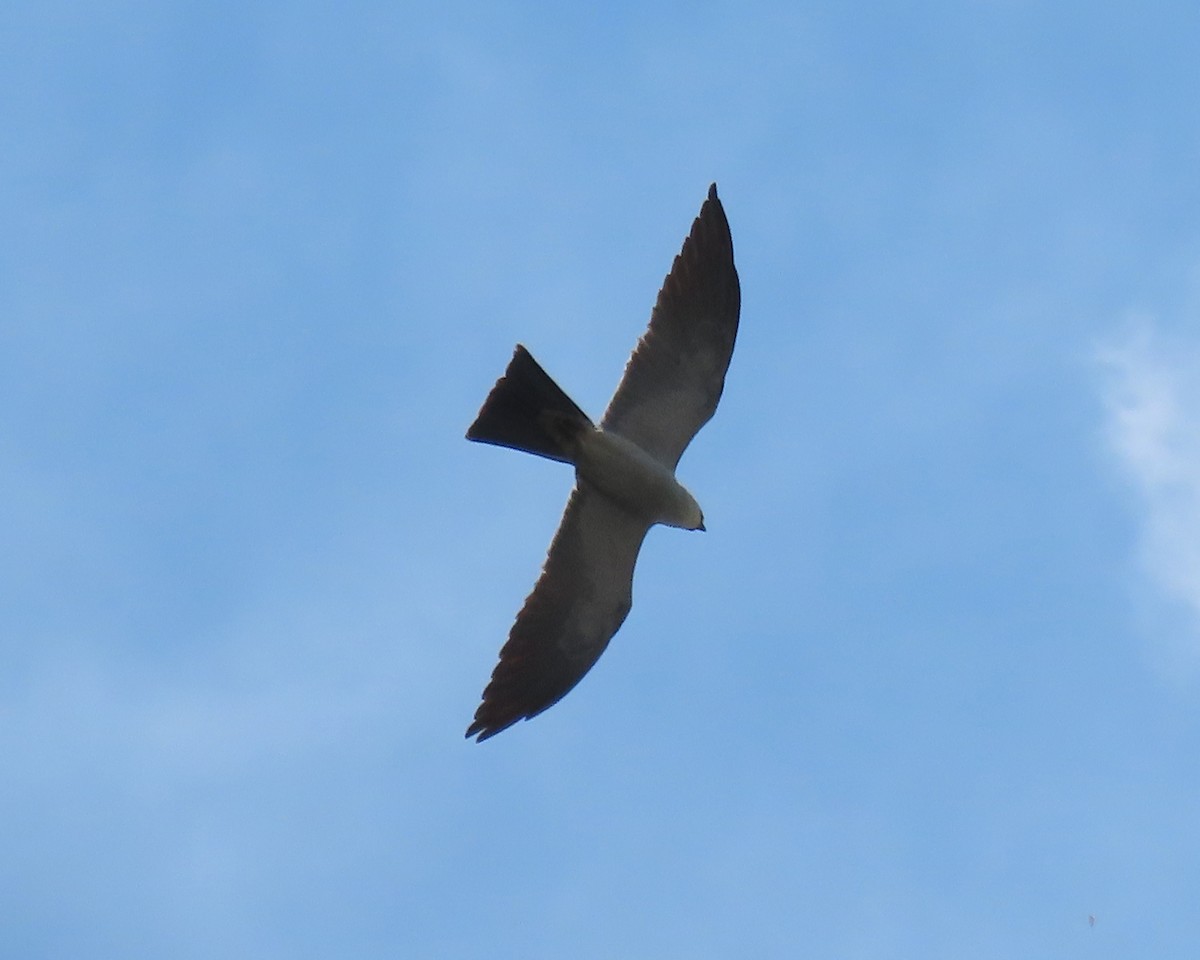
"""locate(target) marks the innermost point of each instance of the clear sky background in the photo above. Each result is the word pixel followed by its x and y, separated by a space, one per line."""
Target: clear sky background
pixel 928 687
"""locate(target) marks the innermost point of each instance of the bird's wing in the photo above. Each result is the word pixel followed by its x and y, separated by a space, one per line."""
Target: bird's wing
pixel 677 371
pixel 578 603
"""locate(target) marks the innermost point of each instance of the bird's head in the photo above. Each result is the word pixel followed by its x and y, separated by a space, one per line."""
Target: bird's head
pixel 688 515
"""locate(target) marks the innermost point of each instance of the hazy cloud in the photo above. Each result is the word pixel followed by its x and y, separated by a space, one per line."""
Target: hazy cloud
pixel 1152 399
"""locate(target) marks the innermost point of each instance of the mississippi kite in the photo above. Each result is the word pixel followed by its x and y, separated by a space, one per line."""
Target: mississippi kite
pixel 624 472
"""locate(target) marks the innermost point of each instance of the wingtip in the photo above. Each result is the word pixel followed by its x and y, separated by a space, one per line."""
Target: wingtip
pixel 712 191
pixel 484 727
pixel 477 731
pixel 482 732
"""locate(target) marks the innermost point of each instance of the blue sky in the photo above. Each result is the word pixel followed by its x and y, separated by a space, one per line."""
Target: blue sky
pixel 929 685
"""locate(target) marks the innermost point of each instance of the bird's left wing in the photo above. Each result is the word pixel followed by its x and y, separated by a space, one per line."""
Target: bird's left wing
pixel 676 374
pixel 579 602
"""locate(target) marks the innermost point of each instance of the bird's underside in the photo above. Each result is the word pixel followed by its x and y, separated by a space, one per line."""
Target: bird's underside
pixel 624 472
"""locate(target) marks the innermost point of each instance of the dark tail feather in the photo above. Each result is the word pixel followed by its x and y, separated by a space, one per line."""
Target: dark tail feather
pixel 526 410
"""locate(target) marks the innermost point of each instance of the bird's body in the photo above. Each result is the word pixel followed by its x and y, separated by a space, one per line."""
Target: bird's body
pixel 624 468
pixel 624 472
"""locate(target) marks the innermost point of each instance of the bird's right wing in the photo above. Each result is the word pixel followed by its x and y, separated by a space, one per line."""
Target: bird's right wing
pixel 579 602
pixel 676 374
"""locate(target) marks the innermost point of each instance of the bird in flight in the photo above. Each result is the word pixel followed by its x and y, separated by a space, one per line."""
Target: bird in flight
pixel 624 472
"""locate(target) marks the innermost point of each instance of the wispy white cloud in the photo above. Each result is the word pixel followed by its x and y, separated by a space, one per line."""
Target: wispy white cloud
pixel 1152 399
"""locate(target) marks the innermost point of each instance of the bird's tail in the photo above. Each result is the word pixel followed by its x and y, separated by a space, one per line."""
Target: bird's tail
pixel 526 410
